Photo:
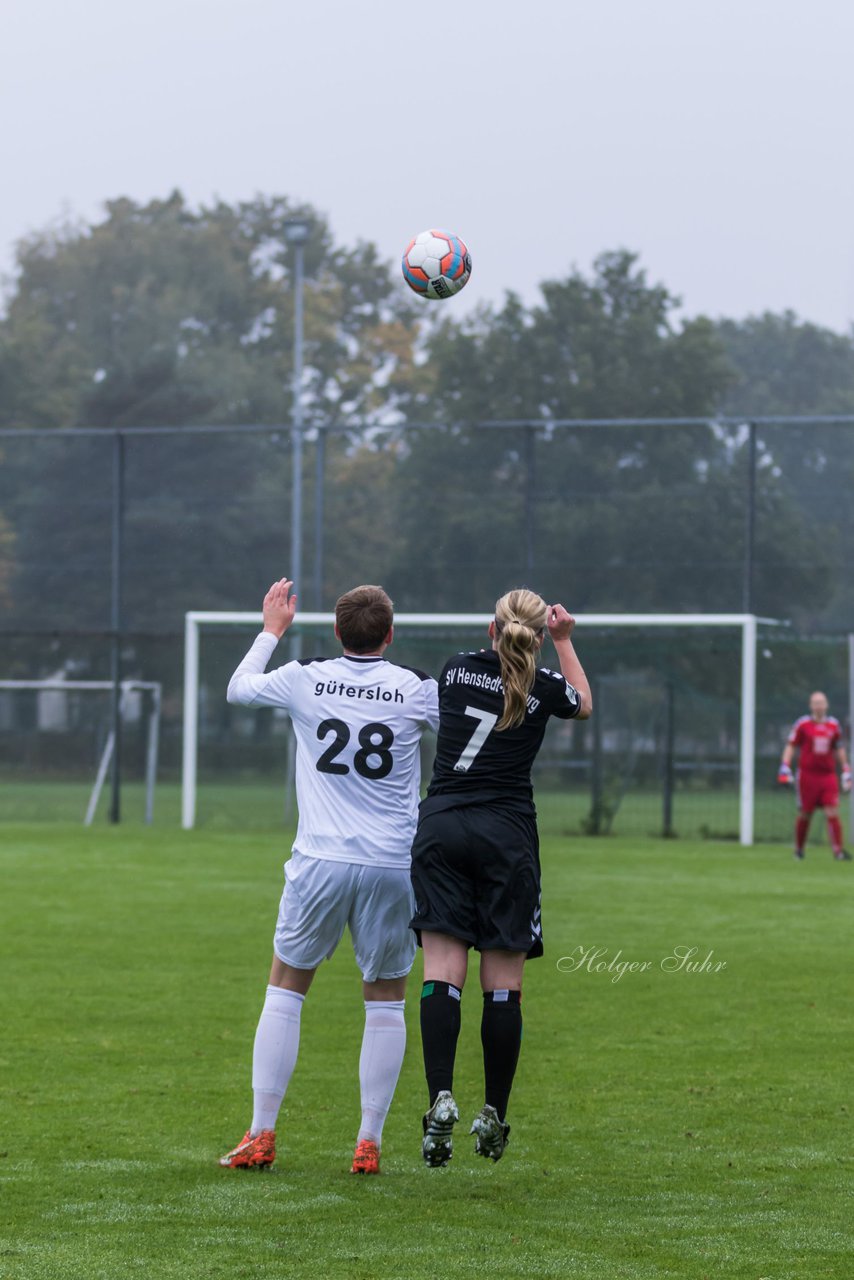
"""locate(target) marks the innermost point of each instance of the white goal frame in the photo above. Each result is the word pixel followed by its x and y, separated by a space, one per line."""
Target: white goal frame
pixel 747 623
pixel 127 687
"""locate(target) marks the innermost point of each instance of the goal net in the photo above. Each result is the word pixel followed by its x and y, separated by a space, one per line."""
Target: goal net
pixel 670 749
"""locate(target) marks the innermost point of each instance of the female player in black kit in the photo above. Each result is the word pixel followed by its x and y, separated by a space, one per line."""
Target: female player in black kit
pixel 475 860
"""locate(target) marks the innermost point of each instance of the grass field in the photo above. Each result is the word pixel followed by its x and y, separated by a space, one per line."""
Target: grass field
pixel 259 804
pixel 665 1124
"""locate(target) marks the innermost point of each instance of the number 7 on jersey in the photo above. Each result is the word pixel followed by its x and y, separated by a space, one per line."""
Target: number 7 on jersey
pixel 486 723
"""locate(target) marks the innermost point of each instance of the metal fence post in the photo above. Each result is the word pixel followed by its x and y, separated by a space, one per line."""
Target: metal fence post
pixel 597 781
pixel 530 501
pixel 750 522
pixel 116 571
pixel 669 760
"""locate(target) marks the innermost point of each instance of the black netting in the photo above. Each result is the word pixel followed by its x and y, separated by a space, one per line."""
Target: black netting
pixel 615 519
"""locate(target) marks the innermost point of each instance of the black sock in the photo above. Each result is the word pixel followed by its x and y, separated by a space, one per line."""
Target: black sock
pixel 440 1027
pixel 501 1037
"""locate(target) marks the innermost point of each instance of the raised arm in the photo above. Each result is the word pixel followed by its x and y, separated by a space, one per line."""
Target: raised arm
pixel 250 685
pixel 561 625
pixel 279 608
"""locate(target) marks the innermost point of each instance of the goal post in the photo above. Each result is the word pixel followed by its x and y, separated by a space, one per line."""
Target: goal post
pixel 746 623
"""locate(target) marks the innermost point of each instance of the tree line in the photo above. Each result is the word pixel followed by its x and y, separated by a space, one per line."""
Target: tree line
pixel 164 314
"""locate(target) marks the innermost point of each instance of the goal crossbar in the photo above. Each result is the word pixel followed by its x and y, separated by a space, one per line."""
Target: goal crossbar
pixel 747 623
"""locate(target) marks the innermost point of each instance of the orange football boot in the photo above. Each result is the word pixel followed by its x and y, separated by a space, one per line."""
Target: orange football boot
pixel 366 1158
pixel 252 1153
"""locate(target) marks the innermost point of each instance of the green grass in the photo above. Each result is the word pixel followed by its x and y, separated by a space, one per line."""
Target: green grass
pixel 684 1125
pixel 241 804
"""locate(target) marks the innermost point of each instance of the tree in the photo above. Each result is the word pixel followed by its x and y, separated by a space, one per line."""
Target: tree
pixel 624 518
pixel 783 365
pixel 787 366
pixel 166 315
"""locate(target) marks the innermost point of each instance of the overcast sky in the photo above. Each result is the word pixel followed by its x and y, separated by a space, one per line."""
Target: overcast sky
pixel 713 136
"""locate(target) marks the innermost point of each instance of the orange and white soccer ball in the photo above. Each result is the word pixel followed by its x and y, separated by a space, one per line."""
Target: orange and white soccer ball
pixel 436 264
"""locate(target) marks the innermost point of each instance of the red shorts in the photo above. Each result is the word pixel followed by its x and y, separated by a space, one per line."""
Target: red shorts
pixel 816 790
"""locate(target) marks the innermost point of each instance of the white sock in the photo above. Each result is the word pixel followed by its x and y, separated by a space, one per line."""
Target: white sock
pixel 275 1054
pixel 383 1046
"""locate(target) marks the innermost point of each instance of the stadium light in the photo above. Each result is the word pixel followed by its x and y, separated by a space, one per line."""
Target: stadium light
pixel 297 231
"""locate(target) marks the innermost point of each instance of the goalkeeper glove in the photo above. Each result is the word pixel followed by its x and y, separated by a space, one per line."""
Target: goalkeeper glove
pixel 784 775
pixel 846 779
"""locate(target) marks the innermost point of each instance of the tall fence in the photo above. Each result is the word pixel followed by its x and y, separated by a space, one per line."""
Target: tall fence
pixel 107 538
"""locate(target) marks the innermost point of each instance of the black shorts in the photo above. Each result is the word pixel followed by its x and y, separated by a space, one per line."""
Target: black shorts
pixel 476 876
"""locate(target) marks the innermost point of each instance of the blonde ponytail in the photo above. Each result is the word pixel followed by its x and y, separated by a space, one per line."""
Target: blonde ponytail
pixel 520 619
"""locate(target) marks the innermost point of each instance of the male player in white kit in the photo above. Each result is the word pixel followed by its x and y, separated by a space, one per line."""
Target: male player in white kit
pixel 358 721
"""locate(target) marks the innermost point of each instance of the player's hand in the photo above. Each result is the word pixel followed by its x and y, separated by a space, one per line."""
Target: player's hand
pixel 279 607
pixel 846 779
pixel 560 623
pixel 785 776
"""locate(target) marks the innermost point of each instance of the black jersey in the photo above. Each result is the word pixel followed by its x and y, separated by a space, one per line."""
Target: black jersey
pixel 475 763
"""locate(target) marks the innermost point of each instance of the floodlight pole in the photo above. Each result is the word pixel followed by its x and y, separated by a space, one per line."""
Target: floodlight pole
pixel 319 515
pixel 297 233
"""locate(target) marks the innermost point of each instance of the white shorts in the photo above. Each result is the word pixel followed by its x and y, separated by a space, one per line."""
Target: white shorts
pixel 322 897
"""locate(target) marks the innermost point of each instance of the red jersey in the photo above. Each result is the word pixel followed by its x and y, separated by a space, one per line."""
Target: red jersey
pixel 816 740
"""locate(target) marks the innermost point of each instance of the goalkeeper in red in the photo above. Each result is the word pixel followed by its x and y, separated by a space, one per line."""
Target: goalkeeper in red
pixel 818 740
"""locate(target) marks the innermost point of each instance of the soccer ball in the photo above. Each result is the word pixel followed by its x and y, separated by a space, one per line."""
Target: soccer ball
pixel 436 264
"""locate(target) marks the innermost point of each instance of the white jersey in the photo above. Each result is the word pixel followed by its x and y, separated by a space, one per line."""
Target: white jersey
pixel 358 724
